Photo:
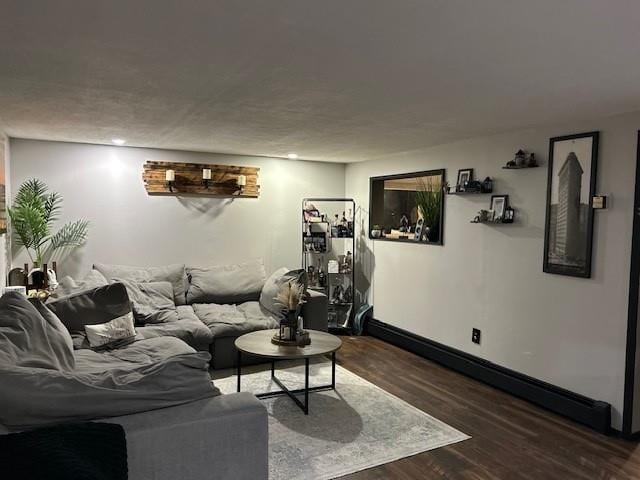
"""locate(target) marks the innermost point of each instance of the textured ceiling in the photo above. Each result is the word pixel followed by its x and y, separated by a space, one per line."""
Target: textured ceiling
pixel 336 80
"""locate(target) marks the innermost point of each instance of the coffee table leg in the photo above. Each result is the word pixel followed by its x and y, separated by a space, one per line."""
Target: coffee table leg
pixel 306 386
pixel 333 370
pixel 239 371
pixel 273 368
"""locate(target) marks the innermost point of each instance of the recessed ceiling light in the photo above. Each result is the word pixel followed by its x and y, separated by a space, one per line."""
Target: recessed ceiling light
pixel 292 156
pixel 118 141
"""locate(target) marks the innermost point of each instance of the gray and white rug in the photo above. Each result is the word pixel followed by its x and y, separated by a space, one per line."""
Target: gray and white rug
pixel 355 427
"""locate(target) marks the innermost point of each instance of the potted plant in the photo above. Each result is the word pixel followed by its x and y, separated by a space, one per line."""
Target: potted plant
pixel 428 203
pixel 33 214
pixel 290 298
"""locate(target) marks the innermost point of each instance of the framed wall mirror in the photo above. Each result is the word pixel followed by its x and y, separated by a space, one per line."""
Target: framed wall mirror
pixel 408 207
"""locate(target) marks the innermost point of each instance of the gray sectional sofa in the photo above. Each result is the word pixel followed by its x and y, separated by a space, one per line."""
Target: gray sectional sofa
pixel 185 318
pixel 214 305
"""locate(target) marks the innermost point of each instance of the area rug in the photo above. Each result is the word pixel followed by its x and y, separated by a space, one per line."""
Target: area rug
pixel 355 427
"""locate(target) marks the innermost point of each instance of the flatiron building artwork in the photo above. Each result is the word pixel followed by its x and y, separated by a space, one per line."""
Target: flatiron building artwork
pixel 568 217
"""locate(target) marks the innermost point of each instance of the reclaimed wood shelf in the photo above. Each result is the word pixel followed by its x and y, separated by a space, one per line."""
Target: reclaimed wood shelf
pixel 188 179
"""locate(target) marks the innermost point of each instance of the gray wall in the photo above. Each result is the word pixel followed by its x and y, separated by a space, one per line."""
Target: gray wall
pixel 104 184
pixel 567 331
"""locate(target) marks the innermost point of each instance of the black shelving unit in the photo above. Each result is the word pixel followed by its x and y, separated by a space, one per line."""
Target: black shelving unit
pixel 323 241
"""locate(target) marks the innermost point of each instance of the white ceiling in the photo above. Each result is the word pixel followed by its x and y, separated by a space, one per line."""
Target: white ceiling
pixel 336 80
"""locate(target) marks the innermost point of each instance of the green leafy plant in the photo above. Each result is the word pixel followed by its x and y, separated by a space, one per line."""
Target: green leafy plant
pixel 33 214
pixel 428 202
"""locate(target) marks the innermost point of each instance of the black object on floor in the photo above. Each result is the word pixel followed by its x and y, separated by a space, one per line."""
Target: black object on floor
pixel 82 451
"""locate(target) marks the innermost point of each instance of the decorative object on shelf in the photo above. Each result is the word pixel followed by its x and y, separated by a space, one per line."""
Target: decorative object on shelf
pixel 521 160
pixel 332 270
pixel 163 178
pixel 170 178
pixel 465 175
pixel 376 231
pixel 33 215
pixel 290 298
pixel 206 177
pixel 487 185
pixel 509 215
pixel 570 188
pixel 499 204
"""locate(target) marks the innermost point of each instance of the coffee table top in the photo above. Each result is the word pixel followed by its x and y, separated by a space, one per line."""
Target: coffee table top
pixel 259 343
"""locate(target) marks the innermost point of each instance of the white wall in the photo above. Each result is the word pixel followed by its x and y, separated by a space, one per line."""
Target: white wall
pixel 104 184
pixel 567 331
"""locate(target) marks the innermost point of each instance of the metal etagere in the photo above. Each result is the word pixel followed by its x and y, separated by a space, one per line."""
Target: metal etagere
pixel 329 254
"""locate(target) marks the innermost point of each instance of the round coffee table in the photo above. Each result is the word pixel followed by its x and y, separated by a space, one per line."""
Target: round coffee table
pixel 259 344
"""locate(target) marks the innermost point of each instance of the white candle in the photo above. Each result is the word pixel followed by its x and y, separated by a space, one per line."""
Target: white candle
pixel 170 175
pixel 206 174
pixel 241 181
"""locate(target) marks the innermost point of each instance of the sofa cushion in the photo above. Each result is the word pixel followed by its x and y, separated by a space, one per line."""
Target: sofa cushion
pixel 68 285
pixel 115 333
pixel 29 340
pixel 145 375
pixel 173 274
pixel 234 320
pixel 91 307
pixel 151 302
pixel 226 283
pixel 274 283
pixel 187 327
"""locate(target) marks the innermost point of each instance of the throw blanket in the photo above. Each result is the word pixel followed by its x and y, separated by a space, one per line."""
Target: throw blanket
pixel 83 451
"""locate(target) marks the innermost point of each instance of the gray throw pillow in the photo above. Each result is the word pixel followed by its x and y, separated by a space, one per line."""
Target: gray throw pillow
pixel 272 287
pixel 226 283
pixel 173 274
pixel 91 307
pixel 28 340
pixel 151 302
pixel 68 285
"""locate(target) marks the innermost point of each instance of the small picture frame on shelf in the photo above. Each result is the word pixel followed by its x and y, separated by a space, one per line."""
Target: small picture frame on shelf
pixel 465 175
pixel 499 205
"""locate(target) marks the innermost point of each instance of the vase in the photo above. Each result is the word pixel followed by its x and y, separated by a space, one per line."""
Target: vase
pixel 37 277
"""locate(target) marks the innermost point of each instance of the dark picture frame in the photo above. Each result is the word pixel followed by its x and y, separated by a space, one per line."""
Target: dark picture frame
pixel 505 204
pixel 568 234
pixel 376 207
pixel 464 172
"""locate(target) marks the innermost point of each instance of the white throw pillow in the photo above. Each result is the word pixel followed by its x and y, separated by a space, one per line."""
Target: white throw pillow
pixel 116 331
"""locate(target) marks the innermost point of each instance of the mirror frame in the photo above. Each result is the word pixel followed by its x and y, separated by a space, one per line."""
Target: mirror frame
pixel 423 173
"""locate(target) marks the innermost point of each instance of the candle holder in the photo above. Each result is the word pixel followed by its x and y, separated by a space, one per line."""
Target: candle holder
pixel 170 178
pixel 206 177
pixel 241 182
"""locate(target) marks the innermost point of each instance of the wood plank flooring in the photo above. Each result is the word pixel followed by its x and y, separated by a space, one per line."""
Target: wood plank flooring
pixel 512 439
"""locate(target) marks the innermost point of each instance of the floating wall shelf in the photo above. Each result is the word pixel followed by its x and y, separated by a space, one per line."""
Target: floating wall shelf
pixel 188 179
pixel 520 168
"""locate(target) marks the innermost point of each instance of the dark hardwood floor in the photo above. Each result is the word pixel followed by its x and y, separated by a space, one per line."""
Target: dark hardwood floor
pixel 512 439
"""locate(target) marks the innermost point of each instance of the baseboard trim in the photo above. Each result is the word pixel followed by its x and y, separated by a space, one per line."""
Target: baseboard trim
pixel 593 413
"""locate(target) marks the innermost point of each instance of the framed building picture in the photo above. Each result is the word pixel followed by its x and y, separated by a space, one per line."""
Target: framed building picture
pixel 570 187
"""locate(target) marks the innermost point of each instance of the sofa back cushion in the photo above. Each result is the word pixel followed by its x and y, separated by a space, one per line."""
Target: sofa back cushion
pixel 174 274
pixel 27 339
pixel 151 302
pixel 68 285
pixel 274 283
pixel 91 307
pixel 226 283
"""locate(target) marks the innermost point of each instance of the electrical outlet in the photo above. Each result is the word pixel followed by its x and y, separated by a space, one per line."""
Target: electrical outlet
pixel 475 336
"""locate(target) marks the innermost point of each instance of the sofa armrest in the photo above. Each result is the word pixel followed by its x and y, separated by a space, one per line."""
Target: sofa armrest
pixel 224 437
pixel 316 311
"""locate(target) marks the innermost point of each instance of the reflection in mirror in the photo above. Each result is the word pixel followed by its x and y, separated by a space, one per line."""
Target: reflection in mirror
pixel 407 207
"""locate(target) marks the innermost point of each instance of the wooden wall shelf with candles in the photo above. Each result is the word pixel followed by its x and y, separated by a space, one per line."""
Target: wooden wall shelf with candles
pixel 173 178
